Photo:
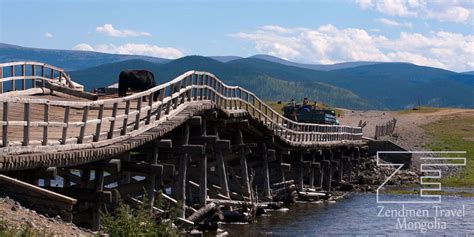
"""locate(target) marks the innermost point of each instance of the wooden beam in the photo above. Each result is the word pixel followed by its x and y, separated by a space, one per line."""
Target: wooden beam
pixel 85 195
pixel 190 149
pixel 221 167
pixel 40 173
pixel 143 168
pixel 109 165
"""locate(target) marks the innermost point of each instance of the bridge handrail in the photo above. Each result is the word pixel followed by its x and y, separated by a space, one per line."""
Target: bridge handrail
pixel 35 72
pixel 188 87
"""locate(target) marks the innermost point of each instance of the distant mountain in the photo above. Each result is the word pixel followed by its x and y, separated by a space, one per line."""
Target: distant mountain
pixel 358 85
pixel 66 59
pixel 469 72
pixel 249 77
pixel 385 85
pixel 381 86
pixel 321 67
pixel 400 84
pixel 225 59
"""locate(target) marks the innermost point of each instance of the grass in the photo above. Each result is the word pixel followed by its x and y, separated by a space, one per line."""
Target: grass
pixel 443 193
pixel 420 109
pixel 454 133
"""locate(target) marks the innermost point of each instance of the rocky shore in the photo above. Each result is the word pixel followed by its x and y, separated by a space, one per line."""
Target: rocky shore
pixel 17 220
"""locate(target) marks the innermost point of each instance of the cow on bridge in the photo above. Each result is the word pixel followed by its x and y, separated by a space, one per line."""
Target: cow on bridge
pixel 140 80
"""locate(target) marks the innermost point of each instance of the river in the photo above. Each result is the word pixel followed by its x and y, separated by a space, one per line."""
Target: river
pixel 360 214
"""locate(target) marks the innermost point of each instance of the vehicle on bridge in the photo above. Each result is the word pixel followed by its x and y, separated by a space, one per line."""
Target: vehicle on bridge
pixel 307 113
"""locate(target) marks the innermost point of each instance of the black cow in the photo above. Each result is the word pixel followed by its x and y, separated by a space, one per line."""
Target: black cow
pixel 140 80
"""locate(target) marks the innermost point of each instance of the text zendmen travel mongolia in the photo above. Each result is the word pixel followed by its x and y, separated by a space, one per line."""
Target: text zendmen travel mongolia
pixel 422 219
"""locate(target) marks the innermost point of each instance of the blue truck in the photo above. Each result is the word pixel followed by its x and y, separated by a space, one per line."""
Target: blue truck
pixel 307 113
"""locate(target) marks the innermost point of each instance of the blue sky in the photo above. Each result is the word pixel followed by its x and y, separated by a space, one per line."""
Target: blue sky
pixel 432 33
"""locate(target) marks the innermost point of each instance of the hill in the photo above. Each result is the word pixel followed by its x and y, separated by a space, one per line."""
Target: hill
pixel 66 59
pixel 381 86
pixel 358 84
pixel 399 85
pixel 264 85
pixel 321 67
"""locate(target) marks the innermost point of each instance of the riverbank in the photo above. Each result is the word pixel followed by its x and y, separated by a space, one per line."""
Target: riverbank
pixel 17 220
pixel 430 129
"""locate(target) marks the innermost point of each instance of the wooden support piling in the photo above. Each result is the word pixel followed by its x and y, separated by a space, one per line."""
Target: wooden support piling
pixel 266 174
pixel 243 165
pixel 183 166
pixel 300 171
pixel 221 167
pixel 203 180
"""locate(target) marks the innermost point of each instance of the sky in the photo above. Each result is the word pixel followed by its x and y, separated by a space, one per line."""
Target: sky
pixel 437 33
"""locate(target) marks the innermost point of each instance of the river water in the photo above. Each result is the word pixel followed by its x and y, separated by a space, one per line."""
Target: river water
pixel 361 215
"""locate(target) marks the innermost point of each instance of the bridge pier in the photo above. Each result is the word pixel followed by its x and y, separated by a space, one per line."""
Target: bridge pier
pixel 301 164
pixel 243 164
pixel 182 172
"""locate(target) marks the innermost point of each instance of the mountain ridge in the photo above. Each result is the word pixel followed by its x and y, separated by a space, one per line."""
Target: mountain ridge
pixel 367 86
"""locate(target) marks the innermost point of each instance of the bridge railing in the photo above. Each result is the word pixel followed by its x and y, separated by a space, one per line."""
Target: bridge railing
pixel 17 76
pixel 30 124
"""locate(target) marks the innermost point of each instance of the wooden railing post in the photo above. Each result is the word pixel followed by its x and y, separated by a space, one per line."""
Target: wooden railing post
pixel 66 121
pixel 5 126
pixel 125 119
pixel 26 128
pixel 45 128
pixel 1 82
pixel 23 73
pixel 99 125
pixel 85 116
pixel 33 73
pixel 150 104
pixel 110 135
pixel 12 74
pixel 43 82
pixel 137 118
pixel 160 108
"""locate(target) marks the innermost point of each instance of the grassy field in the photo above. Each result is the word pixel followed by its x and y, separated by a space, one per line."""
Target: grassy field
pixel 419 110
pixel 454 133
pixel 417 192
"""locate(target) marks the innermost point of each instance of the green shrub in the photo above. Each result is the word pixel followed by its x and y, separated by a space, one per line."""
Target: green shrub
pixel 127 221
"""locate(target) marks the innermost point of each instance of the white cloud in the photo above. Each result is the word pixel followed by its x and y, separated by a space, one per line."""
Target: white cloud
pixel 454 14
pixel 328 44
pixel 460 11
pixel 83 47
pixel 109 30
pixel 395 8
pixel 365 4
pixel 133 49
pixel 389 22
pixel 48 35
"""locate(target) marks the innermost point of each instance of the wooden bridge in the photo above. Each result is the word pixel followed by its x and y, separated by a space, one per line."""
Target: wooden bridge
pixel 200 140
